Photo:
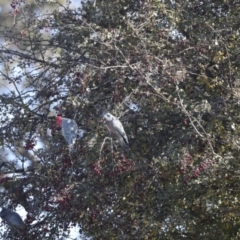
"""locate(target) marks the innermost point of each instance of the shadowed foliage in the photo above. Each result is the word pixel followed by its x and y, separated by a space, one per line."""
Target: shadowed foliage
pixel 178 64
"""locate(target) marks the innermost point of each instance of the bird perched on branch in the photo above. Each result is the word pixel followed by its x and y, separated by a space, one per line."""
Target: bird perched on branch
pixel 12 218
pixel 115 127
pixel 69 129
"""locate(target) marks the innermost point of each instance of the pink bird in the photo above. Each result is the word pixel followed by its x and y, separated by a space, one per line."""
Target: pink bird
pixel 69 129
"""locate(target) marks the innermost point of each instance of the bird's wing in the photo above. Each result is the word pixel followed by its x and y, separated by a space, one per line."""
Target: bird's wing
pixel 69 130
pixel 70 125
pixel 15 217
pixel 117 125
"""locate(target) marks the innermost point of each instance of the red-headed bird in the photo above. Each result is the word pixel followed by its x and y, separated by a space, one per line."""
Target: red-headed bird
pixel 69 130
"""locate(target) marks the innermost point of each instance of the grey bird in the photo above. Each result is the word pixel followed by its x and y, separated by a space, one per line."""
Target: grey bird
pixel 12 218
pixel 69 130
pixel 115 127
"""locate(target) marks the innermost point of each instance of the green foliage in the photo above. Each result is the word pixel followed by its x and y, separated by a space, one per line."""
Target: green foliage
pixel 179 62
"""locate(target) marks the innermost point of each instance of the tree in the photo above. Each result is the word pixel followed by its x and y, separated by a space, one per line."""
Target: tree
pixel 178 63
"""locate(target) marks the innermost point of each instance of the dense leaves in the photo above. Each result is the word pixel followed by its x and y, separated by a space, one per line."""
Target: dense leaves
pixel 170 71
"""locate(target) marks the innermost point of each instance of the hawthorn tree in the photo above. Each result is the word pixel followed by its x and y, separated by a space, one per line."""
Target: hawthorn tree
pixel 170 71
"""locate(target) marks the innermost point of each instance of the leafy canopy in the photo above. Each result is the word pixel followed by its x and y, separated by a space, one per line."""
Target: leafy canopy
pixel 178 62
